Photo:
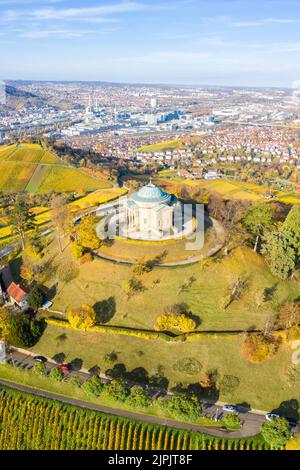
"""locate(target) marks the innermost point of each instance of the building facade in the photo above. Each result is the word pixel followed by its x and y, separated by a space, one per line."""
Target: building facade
pixel 149 214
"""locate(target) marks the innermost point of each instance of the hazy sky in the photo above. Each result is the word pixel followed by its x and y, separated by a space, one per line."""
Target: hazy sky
pixel 226 42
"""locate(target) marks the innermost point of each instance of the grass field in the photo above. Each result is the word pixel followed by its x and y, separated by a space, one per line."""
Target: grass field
pixel 162 146
pixel 29 167
pixel 100 284
pixel 34 423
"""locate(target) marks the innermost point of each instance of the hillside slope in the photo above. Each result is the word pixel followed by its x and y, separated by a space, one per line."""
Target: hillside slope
pixel 30 168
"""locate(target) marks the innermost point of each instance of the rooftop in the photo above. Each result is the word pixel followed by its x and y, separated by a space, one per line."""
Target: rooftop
pixel 152 194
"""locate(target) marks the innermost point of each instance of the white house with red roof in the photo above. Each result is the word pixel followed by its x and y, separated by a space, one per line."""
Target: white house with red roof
pixel 18 295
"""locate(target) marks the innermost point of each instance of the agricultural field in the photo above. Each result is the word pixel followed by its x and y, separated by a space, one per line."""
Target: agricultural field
pixel 228 189
pixel 34 423
pixel 30 168
pixel 162 146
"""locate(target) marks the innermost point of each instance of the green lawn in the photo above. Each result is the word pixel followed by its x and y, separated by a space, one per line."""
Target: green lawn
pixel 263 386
pixel 162 146
pixel 100 283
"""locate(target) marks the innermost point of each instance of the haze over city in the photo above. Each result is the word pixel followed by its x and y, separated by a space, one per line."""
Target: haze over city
pixel 220 42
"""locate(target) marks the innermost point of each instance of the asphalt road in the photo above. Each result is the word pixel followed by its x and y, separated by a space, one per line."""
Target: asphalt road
pixel 251 420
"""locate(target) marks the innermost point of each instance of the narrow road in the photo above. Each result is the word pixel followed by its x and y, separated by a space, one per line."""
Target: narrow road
pixel 127 414
pixel 251 420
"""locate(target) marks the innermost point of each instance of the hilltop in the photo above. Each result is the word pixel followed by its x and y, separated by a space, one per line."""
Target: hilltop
pixel 31 168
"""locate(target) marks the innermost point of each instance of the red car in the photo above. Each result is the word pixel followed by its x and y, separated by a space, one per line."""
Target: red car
pixel 65 367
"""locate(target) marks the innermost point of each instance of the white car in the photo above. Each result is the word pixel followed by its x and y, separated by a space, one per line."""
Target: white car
pixel 230 408
pixel 270 416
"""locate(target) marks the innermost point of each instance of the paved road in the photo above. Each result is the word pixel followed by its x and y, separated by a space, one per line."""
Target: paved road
pixel 251 420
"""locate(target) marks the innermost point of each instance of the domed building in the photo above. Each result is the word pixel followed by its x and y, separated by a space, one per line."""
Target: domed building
pixel 149 214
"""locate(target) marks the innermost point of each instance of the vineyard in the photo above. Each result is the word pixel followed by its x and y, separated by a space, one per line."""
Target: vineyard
pixel 33 423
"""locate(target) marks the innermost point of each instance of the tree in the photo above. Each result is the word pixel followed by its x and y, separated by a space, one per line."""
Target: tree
pixel 258 219
pixel 93 387
pixel 56 375
pixel 289 315
pixel 292 223
pixel 19 330
pixel 61 217
pixel 280 254
pixel 86 234
pixel 20 220
pixel 138 397
pixel 257 347
pixel 82 318
pixel 40 368
pixel 36 297
pixel 133 286
pixel 117 390
pixel 276 432
pixel 182 406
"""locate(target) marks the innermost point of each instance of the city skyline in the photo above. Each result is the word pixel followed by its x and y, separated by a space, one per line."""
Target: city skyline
pixel 186 42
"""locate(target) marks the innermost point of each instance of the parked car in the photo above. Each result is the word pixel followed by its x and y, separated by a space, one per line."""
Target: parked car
pixel 270 416
pixel 65 367
pixel 40 359
pixel 230 408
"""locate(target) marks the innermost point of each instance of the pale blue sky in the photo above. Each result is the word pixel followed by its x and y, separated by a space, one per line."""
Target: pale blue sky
pixel 216 42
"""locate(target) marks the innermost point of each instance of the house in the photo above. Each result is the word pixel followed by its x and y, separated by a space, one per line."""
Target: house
pixel 18 295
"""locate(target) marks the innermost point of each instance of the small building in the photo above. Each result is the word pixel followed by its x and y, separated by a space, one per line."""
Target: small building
pixel 18 295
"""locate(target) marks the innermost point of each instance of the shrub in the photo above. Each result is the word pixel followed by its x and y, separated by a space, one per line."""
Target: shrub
pixel 82 318
pixel 93 387
pixel 276 432
pixel 181 322
pixel 257 348
pixel 182 406
pixel 56 375
pixel 138 397
pixel 117 390
pixel 40 368
pixel 75 381
pixel 232 421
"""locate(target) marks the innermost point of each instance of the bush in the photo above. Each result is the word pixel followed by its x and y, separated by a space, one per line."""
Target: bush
pixel 82 318
pixel 40 368
pixel 232 421
pixel 182 406
pixel 276 432
pixel 181 322
pixel 117 390
pixel 56 375
pixel 93 387
pixel 257 348
pixel 138 397
pixel 75 381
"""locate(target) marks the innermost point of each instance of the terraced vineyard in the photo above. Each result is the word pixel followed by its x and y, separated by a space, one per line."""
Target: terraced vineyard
pixel 30 168
pixel 32 423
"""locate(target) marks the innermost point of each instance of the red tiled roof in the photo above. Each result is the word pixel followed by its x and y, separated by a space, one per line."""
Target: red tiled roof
pixel 16 292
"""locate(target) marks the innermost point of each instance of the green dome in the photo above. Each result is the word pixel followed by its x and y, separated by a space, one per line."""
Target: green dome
pixel 151 194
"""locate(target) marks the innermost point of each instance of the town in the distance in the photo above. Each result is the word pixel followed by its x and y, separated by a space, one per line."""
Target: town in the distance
pixel 149 267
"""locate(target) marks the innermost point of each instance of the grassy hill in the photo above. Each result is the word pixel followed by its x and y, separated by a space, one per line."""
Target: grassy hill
pixel 30 168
